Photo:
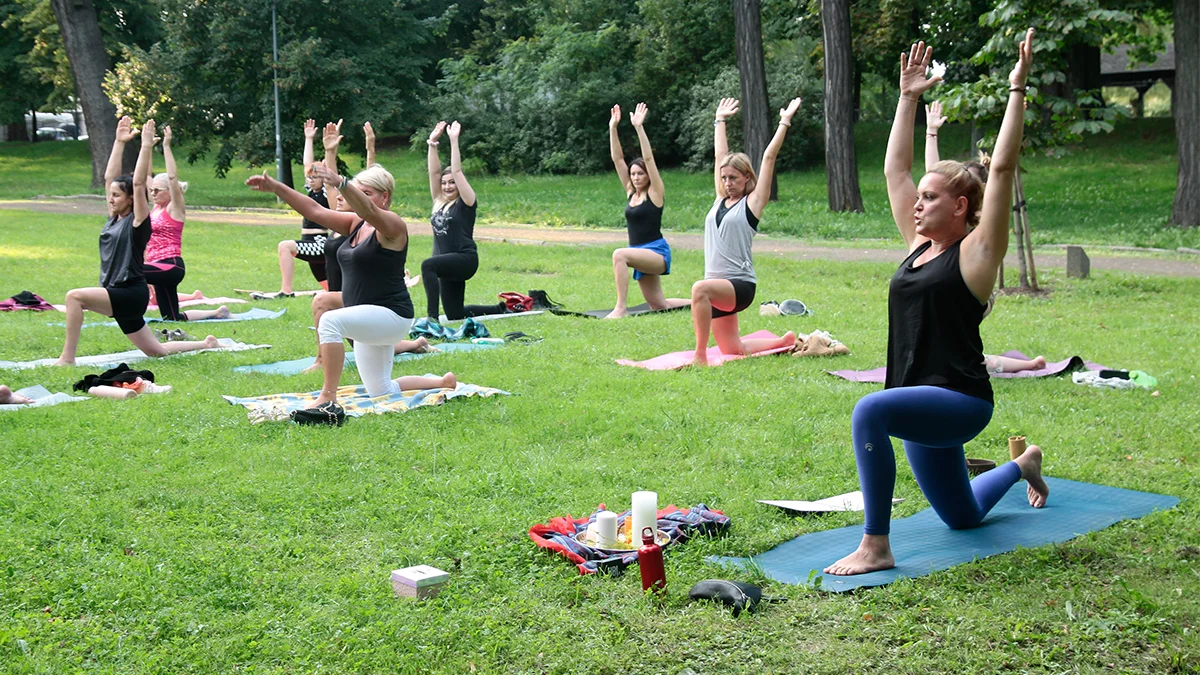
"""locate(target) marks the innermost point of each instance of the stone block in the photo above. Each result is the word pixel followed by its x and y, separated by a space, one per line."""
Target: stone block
pixel 1078 264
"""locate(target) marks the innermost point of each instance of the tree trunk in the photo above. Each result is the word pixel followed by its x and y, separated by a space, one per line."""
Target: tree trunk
pixel 756 108
pixel 841 164
pixel 89 61
pixel 1186 96
pixel 17 131
pixel 33 138
pixel 1023 213
pixel 1019 236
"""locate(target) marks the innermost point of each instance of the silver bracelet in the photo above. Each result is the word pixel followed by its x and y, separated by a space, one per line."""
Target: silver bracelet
pixel 345 180
pixel 716 122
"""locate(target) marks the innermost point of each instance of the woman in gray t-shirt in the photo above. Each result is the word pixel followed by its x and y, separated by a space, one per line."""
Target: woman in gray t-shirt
pixel 729 282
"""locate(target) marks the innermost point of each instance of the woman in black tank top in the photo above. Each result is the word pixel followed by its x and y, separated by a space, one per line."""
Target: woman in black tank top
pixel 937 394
pixel 648 254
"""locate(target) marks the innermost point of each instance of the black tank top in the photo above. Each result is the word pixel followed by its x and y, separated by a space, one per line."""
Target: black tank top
pixel 643 221
pixel 374 275
pixel 933 327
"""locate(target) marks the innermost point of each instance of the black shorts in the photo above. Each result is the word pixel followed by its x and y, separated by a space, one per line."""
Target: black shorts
pixel 743 293
pixel 311 248
pixel 129 302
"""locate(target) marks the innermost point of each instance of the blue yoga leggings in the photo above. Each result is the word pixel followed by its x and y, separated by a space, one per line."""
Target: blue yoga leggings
pixel 933 423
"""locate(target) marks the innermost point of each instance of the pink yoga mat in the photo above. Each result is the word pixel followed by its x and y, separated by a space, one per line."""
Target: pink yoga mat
pixel 1055 368
pixel 677 360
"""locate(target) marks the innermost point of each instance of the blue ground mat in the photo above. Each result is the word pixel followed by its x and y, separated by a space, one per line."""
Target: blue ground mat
pixel 297 366
pixel 248 315
pixel 922 544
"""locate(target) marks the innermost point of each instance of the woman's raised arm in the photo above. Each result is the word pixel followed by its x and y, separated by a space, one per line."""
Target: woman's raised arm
pixel 125 133
pixel 897 163
pixel 177 209
pixel 727 108
pixel 389 224
pixel 337 221
pixel 657 191
pixel 934 119
pixel 141 173
pixel 435 161
pixel 616 152
pixel 465 192
pixel 766 170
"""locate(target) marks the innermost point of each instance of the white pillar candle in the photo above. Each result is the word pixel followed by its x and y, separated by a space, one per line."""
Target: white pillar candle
pixel 606 529
pixel 644 514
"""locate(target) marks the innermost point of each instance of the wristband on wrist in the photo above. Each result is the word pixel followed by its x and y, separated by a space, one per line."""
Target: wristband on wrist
pixel 718 121
pixel 931 135
pixel 1018 89
pixel 784 124
pixel 345 180
pixel 433 143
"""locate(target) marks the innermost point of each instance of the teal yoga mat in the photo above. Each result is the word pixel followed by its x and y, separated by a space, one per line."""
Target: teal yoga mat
pixel 922 544
pixel 297 366
pixel 248 315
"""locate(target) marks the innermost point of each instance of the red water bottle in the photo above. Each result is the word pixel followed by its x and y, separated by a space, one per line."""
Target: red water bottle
pixel 650 560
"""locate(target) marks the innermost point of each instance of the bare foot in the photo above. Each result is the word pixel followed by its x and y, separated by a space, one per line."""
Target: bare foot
pixel 7 397
pixel 423 346
pixel 617 313
pixel 222 312
pixel 1031 470
pixel 449 381
pixel 323 399
pixel 700 359
pixel 314 368
pixel 210 342
pixel 788 339
pixel 874 553
pixel 64 362
pixel 1039 362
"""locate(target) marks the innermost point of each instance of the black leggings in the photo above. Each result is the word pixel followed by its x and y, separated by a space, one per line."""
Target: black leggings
pixel 311 249
pixel 165 276
pixel 445 277
pixel 333 271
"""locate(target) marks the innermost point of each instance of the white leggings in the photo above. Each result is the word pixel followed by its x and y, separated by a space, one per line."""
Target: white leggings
pixel 375 331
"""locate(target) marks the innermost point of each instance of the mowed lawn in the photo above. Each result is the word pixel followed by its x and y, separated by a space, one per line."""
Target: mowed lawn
pixel 1114 189
pixel 167 534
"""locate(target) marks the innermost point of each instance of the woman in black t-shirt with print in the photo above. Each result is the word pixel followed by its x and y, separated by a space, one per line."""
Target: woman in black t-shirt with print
pixel 455 258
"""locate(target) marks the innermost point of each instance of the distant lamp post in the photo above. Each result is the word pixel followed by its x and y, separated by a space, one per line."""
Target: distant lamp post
pixel 275 75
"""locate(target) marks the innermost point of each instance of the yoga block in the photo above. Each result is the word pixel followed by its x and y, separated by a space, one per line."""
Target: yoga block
pixel 1078 264
pixel 419 582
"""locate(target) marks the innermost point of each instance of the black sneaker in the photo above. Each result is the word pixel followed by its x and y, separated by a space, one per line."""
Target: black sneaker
pixel 541 300
pixel 326 414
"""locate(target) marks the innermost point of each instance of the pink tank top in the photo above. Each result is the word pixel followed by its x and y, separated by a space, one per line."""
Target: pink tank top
pixel 166 236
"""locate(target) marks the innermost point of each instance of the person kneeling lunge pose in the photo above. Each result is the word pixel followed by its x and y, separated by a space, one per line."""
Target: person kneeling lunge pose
pixel 648 253
pixel 937 394
pixel 377 311
pixel 729 281
pixel 123 293
pixel 311 246
pixel 164 266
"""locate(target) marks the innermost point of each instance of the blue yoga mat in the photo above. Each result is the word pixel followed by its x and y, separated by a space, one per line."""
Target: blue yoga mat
pixel 248 315
pixel 297 366
pixel 922 544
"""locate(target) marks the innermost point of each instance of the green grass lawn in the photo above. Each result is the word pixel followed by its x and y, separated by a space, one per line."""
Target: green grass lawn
pixel 1115 189
pixel 167 534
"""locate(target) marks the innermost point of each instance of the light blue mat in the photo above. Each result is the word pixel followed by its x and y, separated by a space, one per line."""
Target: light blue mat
pixel 248 315
pixel 922 544
pixel 297 366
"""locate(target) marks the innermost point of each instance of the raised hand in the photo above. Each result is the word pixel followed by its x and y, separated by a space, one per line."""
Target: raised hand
pixel 913 65
pixel 1020 72
pixel 786 114
pixel 332 137
pixel 326 174
pixel 310 129
pixel 148 137
pixel 638 116
pixel 125 130
pixel 263 183
pixel 437 131
pixel 728 107
pixel 166 137
pixel 934 119
pixel 454 130
pixel 614 117
pixel 369 132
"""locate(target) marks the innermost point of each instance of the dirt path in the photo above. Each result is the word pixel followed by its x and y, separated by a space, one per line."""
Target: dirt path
pixel 528 234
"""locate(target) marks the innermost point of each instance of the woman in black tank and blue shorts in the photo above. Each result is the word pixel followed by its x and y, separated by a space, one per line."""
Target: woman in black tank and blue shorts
pixel 123 293
pixel 648 253
pixel 377 311
pixel 729 282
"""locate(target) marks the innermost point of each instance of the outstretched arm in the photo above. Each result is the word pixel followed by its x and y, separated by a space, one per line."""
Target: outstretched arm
pixel 331 138
pixel 616 152
pixel 465 192
pixel 369 134
pixel 985 247
pixel 141 204
pixel 310 132
pixel 657 191
pixel 125 133
pixel 337 221
pixel 727 108
pixel 389 225
pixel 766 170
pixel 435 161
pixel 897 163
pixel 934 119
pixel 177 209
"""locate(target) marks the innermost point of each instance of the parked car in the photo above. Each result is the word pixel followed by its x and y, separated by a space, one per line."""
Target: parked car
pixel 54 134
